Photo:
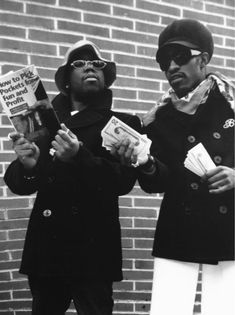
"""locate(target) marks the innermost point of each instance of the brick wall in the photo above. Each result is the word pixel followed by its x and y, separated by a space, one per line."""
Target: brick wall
pixel 39 32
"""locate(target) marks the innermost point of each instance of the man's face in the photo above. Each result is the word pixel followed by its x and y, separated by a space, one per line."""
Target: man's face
pixel 86 79
pixel 183 78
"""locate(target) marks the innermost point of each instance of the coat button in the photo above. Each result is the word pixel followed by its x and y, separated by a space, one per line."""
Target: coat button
pixel 191 139
pixel 50 179
pixel 216 135
pixel 187 210
pixel 217 159
pixel 223 209
pixel 47 213
pixel 74 210
pixel 194 186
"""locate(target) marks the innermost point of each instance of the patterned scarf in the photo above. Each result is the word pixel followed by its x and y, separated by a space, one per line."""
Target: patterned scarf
pixel 189 103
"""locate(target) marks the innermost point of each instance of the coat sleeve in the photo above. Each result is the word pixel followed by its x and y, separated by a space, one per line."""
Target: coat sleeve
pixel 103 171
pixel 19 180
pixel 106 171
pixel 157 181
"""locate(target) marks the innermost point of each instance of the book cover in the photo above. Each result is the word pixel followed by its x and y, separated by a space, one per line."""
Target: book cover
pixel 19 91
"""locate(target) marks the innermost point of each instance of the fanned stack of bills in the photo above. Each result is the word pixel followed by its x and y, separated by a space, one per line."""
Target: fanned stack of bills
pixel 198 160
pixel 116 131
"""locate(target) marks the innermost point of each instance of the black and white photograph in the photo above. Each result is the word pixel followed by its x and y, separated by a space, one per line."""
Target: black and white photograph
pixel 117 169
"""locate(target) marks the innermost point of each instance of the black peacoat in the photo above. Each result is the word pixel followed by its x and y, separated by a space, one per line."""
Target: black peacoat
pixel 74 227
pixel 193 225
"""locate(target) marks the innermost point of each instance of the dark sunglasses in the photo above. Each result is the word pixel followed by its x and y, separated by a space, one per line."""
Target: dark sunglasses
pixel 97 64
pixel 179 56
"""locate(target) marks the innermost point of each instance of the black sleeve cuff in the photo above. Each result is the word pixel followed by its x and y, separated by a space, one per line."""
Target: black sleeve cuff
pixel 149 167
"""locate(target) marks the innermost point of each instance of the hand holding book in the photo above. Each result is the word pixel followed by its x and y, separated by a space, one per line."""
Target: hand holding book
pixel 26 151
pixel 26 103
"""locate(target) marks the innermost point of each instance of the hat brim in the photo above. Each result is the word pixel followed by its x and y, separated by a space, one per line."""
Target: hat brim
pixel 60 75
pixel 177 42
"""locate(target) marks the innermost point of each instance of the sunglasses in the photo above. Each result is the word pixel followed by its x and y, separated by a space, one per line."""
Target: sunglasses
pixel 179 56
pixel 97 64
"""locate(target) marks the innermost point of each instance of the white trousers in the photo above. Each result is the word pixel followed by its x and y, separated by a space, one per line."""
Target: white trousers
pixel 175 283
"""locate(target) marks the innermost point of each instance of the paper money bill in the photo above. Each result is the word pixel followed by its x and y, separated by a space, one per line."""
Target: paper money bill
pixel 116 131
pixel 198 160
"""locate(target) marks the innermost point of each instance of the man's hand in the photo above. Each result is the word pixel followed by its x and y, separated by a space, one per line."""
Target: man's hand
pixel 27 152
pixel 43 104
pixel 124 151
pixel 220 179
pixel 66 144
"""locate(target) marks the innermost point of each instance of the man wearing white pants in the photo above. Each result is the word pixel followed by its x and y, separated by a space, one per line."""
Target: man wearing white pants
pixel 174 288
pixel 196 220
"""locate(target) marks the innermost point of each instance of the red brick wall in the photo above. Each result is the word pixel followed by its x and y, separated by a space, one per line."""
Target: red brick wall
pixel 39 32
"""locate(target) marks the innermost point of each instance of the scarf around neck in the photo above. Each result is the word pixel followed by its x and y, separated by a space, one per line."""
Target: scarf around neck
pixel 190 102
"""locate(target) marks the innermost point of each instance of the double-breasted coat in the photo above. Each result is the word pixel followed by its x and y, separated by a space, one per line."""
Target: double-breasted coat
pixel 74 227
pixel 194 225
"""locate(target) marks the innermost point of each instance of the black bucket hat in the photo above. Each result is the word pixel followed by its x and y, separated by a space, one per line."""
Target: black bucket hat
pixel 188 33
pixel 73 52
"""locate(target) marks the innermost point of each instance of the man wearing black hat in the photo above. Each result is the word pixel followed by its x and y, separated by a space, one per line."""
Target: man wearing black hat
pixel 196 220
pixel 73 245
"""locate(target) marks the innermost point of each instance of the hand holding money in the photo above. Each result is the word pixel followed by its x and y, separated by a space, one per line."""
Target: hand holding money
pixel 124 151
pixel 198 160
pixel 219 178
pixel 122 140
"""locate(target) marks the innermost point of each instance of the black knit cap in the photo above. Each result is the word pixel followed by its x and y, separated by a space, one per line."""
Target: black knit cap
pixel 186 32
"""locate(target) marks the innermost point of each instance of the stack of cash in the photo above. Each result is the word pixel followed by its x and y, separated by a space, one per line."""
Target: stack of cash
pixel 116 131
pixel 198 160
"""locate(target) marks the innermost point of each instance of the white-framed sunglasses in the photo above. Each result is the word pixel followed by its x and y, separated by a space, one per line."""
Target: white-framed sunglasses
pixel 97 64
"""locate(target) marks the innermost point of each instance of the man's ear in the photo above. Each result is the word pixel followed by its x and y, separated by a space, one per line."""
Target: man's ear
pixel 204 59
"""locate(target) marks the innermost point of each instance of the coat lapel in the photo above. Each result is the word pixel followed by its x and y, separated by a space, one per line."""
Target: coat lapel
pixel 83 119
pixel 89 116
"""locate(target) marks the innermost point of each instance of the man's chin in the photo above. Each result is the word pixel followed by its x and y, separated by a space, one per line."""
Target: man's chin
pixel 180 89
pixel 181 92
pixel 92 89
pixel 88 94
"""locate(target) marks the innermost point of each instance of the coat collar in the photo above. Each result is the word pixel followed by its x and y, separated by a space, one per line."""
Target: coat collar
pixel 202 114
pixel 86 117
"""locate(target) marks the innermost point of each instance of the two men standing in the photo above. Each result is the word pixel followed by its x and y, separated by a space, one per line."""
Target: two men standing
pixel 72 248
